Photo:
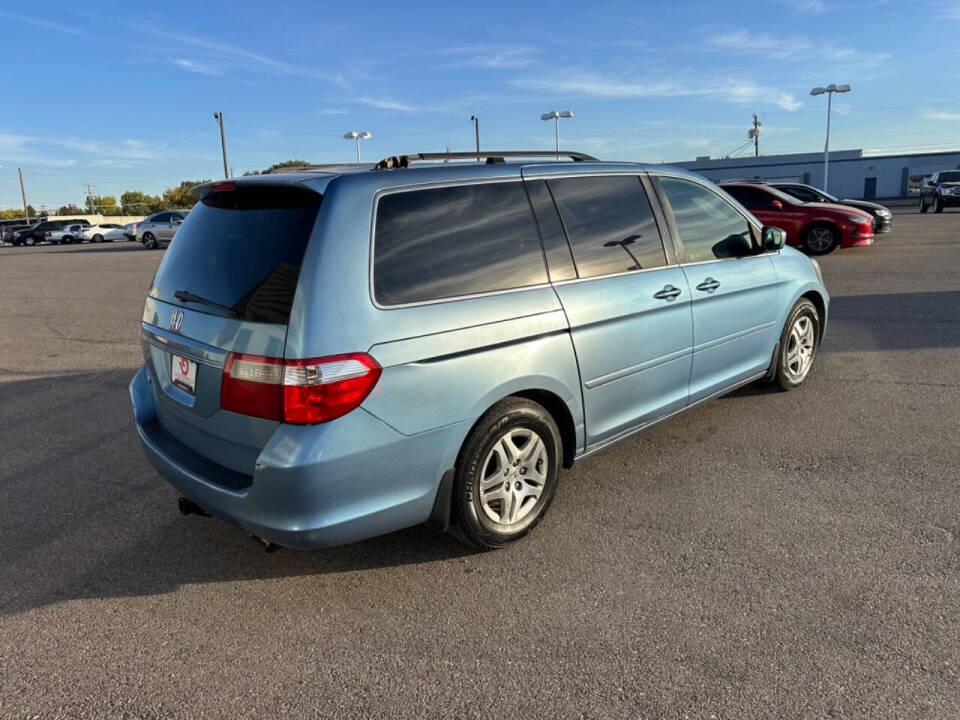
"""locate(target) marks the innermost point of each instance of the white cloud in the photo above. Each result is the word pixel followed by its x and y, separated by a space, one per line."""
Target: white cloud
pixel 385 103
pixel 943 116
pixel 195 67
pixel 593 85
pixel 494 56
pixel 227 55
pixel 809 7
pixel 40 22
pixel 785 47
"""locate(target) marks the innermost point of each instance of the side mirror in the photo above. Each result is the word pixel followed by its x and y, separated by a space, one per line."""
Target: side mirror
pixel 776 205
pixel 773 238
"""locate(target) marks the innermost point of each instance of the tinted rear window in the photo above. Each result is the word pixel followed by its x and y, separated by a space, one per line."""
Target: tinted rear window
pixel 446 242
pixel 610 224
pixel 240 250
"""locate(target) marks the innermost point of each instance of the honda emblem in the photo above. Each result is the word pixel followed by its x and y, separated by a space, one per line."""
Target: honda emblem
pixel 176 320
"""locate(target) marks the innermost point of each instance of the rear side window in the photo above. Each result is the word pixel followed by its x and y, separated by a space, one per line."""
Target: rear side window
pixel 749 196
pixel 609 223
pixel 710 227
pixel 161 218
pixel 241 252
pixel 452 241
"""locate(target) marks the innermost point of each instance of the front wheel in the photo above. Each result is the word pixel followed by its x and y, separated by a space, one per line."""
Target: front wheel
pixel 506 476
pixel 798 345
pixel 820 239
pixel 97 238
pixel 923 205
pixel 938 204
pixel 149 241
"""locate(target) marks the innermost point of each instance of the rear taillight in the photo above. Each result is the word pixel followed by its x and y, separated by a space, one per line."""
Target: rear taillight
pixel 307 391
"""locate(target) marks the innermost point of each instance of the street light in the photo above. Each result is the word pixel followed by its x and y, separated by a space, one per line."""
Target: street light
pixel 829 90
pixel 555 116
pixel 358 136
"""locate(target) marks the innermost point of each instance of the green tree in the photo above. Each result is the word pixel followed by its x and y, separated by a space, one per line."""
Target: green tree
pixel 135 202
pixel 180 196
pixel 70 209
pixel 278 166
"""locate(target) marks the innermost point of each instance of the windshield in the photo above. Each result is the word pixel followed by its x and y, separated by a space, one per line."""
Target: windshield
pixel 950 176
pixel 238 253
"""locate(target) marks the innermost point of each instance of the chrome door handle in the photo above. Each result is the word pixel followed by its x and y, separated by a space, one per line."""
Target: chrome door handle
pixel 708 285
pixel 669 292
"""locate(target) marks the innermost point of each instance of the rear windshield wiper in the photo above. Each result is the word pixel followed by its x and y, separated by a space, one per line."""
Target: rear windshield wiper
pixel 187 296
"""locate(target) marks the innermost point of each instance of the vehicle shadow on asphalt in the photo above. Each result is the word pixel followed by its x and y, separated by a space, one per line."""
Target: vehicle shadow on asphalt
pixel 83 515
pixel 895 321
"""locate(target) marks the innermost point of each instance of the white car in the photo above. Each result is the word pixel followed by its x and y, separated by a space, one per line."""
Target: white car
pixel 104 232
pixel 71 232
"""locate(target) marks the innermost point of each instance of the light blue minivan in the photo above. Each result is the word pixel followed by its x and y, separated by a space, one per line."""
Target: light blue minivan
pixel 336 353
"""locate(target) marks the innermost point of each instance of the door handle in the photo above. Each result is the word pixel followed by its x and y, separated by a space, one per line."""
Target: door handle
pixel 669 292
pixel 708 285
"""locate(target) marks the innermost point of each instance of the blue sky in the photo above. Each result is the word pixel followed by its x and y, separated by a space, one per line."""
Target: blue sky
pixel 122 96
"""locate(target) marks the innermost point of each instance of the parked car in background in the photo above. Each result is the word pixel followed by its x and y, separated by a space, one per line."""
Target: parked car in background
pixel 68 233
pixel 101 232
pixel 882 217
pixel 7 233
pixel 37 233
pixel 941 191
pixel 816 227
pixel 158 229
pixel 330 356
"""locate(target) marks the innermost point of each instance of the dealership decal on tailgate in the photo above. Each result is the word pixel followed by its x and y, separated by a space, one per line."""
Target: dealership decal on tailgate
pixel 183 372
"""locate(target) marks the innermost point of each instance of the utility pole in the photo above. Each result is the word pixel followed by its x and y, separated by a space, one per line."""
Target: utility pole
pixel 23 194
pixel 218 116
pixel 476 126
pixel 90 205
pixel 755 134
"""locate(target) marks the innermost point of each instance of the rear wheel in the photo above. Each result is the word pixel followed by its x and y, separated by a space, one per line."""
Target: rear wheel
pixel 30 241
pixel 923 205
pixel 798 345
pixel 820 239
pixel 506 476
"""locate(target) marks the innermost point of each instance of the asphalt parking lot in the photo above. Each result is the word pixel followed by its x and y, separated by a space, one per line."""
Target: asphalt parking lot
pixel 767 555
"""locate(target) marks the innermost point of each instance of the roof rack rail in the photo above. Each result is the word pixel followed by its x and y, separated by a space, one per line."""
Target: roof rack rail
pixel 489 156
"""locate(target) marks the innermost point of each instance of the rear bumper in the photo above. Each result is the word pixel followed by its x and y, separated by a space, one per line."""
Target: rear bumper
pixel 313 486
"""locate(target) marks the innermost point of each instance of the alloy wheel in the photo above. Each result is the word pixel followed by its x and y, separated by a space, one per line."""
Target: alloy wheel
pixel 513 476
pixel 800 347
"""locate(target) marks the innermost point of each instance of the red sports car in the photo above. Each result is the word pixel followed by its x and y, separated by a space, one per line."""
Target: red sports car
pixel 817 227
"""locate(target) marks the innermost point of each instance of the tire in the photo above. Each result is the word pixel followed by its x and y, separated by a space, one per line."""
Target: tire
pixel 30 241
pixel 820 239
pixel 149 241
pixel 97 238
pixel 802 329
pixel 923 205
pixel 500 491
pixel 938 204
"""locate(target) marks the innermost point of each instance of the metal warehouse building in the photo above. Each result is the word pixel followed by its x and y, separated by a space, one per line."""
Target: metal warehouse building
pixel 852 174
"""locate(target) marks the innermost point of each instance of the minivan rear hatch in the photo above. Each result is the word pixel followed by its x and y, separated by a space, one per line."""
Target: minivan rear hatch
pixel 224 289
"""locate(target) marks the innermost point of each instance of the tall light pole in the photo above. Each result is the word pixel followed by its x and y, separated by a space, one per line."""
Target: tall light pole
pixel 358 136
pixel 555 116
pixel 476 126
pixel 829 90
pixel 218 116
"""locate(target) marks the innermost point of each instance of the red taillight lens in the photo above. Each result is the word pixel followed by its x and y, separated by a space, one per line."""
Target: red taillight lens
pixel 251 386
pixel 321 389
pixel 297 391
